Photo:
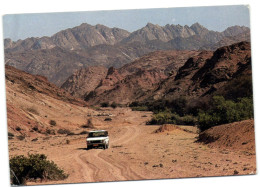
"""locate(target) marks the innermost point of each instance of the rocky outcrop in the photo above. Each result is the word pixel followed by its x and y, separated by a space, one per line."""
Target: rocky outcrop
pixel 84 80
pixel 135 80
pixel 159 76
pixel 208 72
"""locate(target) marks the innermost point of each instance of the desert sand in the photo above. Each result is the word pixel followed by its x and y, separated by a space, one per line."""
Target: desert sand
pixel 136 151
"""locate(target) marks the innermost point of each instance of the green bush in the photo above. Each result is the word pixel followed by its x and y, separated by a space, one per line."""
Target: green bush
pixel 33 167
pixel 167 117
pixel 140 108
pixel 225 111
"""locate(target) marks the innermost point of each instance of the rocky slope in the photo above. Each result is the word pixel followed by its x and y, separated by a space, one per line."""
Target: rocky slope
pixel 32 102
pixel 84 80
pixel 159 76
pixel 208 72
pixel 237 136
pixel 138 78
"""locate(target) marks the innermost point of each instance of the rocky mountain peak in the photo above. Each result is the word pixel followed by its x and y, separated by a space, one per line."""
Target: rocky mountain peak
pixel 235 30
pixel 198 28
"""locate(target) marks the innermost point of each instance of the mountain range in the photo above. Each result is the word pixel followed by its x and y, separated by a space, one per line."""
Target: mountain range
pixel 59 56
pixel 167 75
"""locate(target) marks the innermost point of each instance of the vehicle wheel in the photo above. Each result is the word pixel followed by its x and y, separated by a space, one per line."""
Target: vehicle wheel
pixel 89 147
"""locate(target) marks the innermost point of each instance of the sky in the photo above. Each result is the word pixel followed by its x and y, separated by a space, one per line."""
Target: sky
pixel 217 18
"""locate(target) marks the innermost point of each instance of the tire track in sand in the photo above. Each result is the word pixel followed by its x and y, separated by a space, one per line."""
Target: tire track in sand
pixel 96 166
pixel 132 133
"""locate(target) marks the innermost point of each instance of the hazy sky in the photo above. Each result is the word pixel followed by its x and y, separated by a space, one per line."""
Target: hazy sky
pixel 218 18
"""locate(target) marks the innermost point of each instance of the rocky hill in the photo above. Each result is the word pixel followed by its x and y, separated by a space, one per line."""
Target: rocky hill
pixel 207 73
pixel 59 56
pixel 32 102
pixel 159 76
pixel 84 80
pixel 132 77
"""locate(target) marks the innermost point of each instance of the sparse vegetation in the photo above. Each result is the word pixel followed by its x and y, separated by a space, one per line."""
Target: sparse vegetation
pixel 64 131
pixel 18 128
pixel 225 111
pixel 21 137
pixel 108 119
pixel 167 117
pixel 10 136
pixel 84 126
pixel 50 131
pixel 205 114
pixel 33 167
pixel 35 129
pixel 104 104
pixel 113 105
pixel 52 123
pixel 33 110
pixel 83 132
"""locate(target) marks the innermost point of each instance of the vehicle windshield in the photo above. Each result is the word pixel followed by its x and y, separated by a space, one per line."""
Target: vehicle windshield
pixel 98 134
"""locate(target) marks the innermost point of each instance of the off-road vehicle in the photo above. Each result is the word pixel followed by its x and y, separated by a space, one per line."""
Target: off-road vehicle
pixel 98 138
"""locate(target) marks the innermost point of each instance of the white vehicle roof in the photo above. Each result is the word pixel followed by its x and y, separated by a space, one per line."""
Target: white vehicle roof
pixel 98 131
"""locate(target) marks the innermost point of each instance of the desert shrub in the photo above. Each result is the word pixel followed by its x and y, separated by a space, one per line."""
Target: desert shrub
pixel 35 128
pixel 178 105
pixel 241 87
pixel 225 111
pixel 33 167
pixel 108 119
pixel 64 131
pixel 10 134
pixel 21 137
pixel 140 108
pixel 167 117
pixel 186 120
pixel 18 128
pixel 50 131
pixel 134 104
pixel 33 110
pixel 70 133
pixel 83 132
pixel 84 126
pixel 52 122
pixel 104 104
pixel 113 105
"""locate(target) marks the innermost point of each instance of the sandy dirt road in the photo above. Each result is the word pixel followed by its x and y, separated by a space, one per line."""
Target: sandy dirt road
pixel 136 153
